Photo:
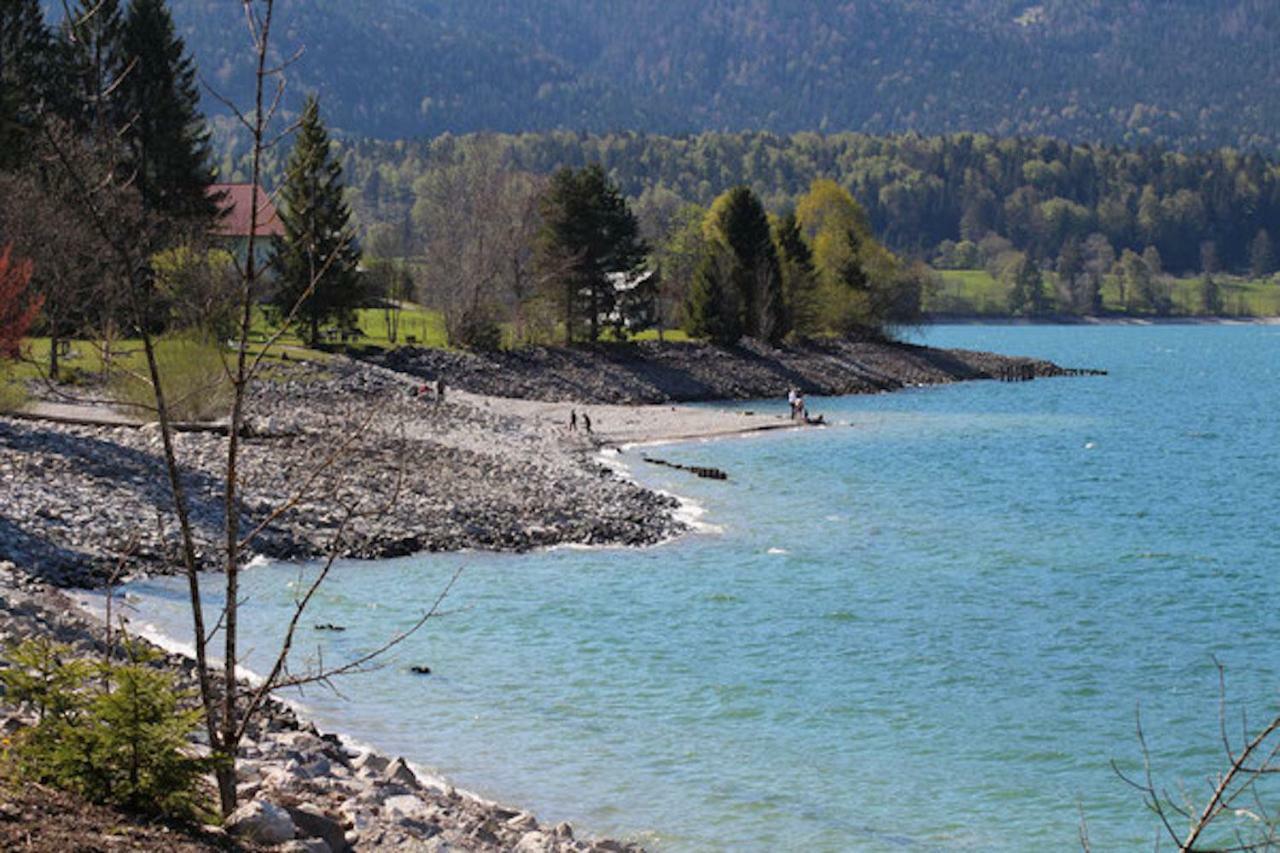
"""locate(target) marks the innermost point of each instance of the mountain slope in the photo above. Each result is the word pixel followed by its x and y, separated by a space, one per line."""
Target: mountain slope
pixel 1188 73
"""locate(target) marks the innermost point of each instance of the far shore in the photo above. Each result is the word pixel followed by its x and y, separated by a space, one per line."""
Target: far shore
pixel 1076 320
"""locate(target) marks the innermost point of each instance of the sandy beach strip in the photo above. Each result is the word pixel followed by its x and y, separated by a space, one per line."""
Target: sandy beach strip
pixel 619 425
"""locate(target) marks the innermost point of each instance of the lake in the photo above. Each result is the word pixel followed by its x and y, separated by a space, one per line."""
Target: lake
pixel 928 626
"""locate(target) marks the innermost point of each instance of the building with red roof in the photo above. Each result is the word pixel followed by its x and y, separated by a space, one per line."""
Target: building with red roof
pixel 238 202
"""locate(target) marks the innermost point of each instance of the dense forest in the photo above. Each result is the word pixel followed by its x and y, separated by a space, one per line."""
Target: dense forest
pixel 1207 211
pixel 1187 74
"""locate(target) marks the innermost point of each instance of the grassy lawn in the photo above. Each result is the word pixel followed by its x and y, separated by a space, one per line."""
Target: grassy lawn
pixel 975 292
pixel 968 292
pixel 424 326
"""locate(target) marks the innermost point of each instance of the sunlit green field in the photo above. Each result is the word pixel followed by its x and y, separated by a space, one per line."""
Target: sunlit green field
pixel 977 293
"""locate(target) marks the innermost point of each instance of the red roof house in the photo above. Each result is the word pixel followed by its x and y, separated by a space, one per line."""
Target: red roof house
pixel 238 202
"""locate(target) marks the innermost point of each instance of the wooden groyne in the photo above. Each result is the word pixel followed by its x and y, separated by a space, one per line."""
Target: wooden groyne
pixel 699 470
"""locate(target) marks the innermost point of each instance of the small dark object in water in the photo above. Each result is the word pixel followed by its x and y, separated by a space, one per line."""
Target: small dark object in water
pixel 420 670
pixel 328 626
pixel 699 470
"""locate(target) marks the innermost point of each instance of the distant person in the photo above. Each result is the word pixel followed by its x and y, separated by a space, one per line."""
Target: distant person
pixel 586 423
pixel 791 401
pixel 573 420
pixel 440 390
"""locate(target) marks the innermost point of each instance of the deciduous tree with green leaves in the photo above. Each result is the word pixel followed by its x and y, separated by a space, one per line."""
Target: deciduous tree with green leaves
pixel 317 259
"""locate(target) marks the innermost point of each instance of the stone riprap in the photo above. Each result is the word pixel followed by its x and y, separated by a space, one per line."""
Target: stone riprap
pixel 653 372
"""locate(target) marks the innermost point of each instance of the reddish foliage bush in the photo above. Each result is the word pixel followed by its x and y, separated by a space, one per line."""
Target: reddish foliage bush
pixel 18 308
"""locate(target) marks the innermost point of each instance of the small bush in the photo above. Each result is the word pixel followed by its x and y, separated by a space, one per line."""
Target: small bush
pixel 114 733
pixel 13 394
pixel 192 375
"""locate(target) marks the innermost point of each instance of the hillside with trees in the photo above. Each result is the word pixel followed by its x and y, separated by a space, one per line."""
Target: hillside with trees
pixel 1188 74
pixel 951 200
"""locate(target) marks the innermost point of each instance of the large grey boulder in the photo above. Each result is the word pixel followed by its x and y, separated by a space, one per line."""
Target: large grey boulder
pixel 312 822
pixel 262 822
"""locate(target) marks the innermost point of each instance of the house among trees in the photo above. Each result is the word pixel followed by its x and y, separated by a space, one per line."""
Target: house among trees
pixel 237 202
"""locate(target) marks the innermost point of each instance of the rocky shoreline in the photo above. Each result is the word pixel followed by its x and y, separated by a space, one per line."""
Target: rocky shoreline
pixel 653 372
pixel 417 476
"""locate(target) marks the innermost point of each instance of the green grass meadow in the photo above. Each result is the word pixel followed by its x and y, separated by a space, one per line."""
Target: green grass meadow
pixel 976 293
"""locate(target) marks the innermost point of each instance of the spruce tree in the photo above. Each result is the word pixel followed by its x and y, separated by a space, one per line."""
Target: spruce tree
pixel 713 309
pixel 316 260
pixel 167 139
pixel 738 222
pixel 93 59
pixel 1262 255
pixel 588 233
pixel 27 71
pixel 799 278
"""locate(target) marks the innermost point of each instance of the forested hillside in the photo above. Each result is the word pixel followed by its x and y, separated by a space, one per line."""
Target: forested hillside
pixel 1198 211
pixel 1180 73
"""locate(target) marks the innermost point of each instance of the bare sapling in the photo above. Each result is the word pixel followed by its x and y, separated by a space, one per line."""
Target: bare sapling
pixel 107 202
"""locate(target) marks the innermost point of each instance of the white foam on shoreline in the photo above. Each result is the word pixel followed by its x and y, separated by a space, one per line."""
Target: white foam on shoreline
pixel 94 604
pixel 688 511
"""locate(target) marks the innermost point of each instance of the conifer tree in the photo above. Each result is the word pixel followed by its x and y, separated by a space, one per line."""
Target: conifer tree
pixel 713 309
pixel 738 223
pixel 27 71
pixel 588 233
pixel 93 59
pixel 316 260
pixel 1262 255
pixel 167 139
pixel 799 278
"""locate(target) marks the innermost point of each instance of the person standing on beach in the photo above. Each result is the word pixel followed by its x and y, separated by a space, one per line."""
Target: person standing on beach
pixel 791 401
pixel 440 390
pixel 573 420
pixel 586 423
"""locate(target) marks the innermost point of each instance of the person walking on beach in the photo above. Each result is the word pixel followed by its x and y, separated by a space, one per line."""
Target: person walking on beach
pixel 573 420
pixel 586 423
pixel 440 390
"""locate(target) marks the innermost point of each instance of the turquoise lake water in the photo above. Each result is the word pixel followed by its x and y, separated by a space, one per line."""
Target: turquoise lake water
pixel 927 627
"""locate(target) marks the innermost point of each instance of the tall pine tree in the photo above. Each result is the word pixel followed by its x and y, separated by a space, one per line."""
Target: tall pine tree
pixel 27 74
pixel 713 309
pixel 588 234
pixel 799 278
pixel 93 59
pixel 316 260
pixel 738 224
pixel 167 139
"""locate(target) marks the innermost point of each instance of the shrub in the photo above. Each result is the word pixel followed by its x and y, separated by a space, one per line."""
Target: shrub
pixel 193 377
pixel 113 732
pixel 13 395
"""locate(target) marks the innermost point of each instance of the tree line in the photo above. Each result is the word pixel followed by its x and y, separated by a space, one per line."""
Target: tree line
pixel 1210 211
